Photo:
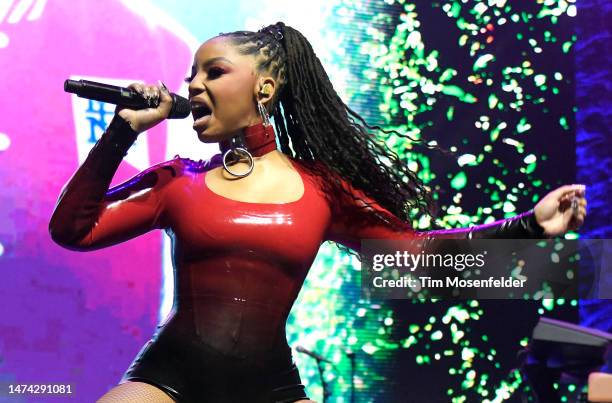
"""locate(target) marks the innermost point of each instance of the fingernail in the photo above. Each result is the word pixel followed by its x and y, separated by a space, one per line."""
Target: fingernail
pixel 161 83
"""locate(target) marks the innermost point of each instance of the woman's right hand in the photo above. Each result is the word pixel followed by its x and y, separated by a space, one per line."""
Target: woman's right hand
pixel 144 119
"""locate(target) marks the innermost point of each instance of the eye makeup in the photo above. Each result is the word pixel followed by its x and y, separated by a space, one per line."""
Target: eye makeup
pixel 213 71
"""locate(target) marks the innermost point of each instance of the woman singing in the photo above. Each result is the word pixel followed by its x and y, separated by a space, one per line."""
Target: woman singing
pixel 246 224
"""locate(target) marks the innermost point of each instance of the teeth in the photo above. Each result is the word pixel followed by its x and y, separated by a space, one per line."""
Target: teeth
pixel 200 110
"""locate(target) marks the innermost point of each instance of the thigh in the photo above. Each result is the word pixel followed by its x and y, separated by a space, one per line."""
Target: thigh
pixel 135 392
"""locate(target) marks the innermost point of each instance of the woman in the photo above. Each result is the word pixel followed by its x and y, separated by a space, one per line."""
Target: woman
pixel 246 230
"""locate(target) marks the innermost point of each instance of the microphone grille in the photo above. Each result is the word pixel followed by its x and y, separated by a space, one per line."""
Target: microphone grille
pixel 180 107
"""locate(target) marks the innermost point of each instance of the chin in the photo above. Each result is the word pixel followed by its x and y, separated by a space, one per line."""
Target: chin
pixel 215 135
pixel 208 136
pixel 205 138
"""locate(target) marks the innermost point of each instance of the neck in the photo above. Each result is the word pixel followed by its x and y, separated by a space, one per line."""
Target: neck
pixel 257 139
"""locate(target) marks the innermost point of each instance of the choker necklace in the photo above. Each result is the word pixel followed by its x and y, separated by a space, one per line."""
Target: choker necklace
pixel 255 140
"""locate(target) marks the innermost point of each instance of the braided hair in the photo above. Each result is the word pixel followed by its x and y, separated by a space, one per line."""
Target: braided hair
pixel 314 125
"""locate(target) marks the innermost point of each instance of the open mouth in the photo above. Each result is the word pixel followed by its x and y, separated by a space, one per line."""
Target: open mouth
pixel 199 111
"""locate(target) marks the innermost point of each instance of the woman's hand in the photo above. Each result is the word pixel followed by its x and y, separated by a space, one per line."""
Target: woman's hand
pixel 561 210
pixel 144 119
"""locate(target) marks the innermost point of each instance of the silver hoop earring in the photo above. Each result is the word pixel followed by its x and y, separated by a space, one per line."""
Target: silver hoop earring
pixel 264 114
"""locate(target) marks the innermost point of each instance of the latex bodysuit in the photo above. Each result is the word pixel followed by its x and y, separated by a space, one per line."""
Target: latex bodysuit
pixel 238 266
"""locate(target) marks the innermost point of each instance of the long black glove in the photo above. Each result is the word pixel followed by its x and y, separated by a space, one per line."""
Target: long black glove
pixel 79 202
pixel 522 226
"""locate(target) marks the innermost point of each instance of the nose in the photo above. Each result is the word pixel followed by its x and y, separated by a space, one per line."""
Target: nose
pixel 195 88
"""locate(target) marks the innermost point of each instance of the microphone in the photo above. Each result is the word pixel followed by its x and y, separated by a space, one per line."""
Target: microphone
pixel 127 97
pixel 314 355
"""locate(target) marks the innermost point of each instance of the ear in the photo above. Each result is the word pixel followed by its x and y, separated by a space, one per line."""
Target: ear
pixel 265 89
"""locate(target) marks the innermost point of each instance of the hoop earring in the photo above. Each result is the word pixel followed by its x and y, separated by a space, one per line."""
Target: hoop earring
pixel 264 114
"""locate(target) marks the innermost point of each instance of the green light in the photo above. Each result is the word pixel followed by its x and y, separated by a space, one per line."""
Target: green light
pixel 459 181
pixel 483 61
pixel 458 92
pixel 566 46
pixel 418 86
pixel 523 126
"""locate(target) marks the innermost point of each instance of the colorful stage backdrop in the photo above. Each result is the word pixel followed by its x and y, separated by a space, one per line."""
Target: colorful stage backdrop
pixel 492 81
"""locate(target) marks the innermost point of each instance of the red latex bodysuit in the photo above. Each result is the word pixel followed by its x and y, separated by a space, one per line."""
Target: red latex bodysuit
pixel 238 266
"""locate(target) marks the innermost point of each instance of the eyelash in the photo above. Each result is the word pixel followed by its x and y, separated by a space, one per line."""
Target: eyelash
pixel 217 72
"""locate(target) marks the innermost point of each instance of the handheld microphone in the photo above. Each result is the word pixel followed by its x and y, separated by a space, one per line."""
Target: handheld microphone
pixel 127 97
pixel 314 355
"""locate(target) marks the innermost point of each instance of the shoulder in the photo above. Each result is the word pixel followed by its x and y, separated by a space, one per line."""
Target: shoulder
pixel 314 175
pixel 187 165
pixel 338 191
pixel 161 175
pixel 179 166
pixel 329 179
pixel 317 171
pixel 344 196
pixel 351 204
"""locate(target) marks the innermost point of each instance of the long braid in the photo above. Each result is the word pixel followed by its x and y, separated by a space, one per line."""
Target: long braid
pixel 314 124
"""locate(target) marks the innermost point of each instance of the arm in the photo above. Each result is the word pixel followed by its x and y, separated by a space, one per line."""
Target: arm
pixel 351 222
pixel 523 226
pixel 89 216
